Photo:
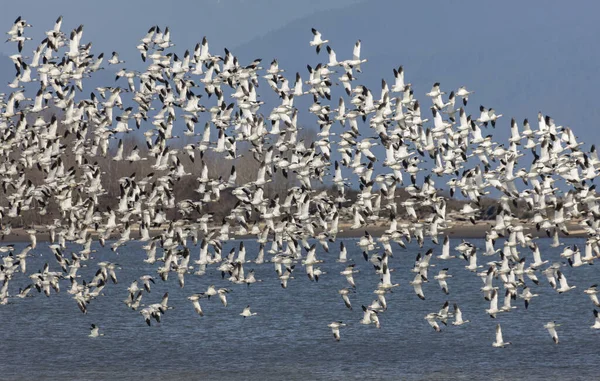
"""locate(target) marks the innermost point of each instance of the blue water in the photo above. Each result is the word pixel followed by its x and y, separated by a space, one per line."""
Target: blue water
pixel 46 338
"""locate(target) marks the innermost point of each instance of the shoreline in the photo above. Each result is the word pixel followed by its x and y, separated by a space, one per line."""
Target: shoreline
pixel 459 230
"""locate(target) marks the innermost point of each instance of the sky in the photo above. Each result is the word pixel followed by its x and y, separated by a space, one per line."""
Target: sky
pixel 119 24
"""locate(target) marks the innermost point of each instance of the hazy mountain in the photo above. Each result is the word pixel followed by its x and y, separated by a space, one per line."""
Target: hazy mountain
pixel 116 25
pixel 519 57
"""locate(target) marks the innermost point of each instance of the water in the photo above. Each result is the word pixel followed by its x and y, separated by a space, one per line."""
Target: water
pixel 46 338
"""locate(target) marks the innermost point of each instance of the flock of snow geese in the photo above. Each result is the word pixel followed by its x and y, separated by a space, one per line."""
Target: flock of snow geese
pixel 295 230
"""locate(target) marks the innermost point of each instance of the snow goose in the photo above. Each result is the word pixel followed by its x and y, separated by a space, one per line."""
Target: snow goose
pixel 114 60
pixel 147 279
pixel 458 319
pixel 247 313
pixel 551 327
pixel 94 331
pixel 441 278
pixel 527 295
pixel 222 292
pixel 343 256
pixel 386 280
pixel 344 292
pixel 431 319
pixel 335 329
pixel 596 321
pixel 445 249
pixel 591 292
pixel 348 273
pixel 417 283
pixel 369 317
pixel 195 299
pixel 317 40
pixel 464 94
pixel 564 286
pixel 500 343
pixel 493 310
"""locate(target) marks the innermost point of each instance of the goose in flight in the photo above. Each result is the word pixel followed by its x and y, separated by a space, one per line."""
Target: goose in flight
pixel 343 256
pixel 24 293
pixel 550 274
pixel 592 292
pixel 431 319
pixel 148 313
pixel 422 263
pixel 147 279
pixel 464 94
pixel 335 329
pixel 344 293
pixel 247 313
pixel 114 60
pixel 370 317
pixel 441 278
pixel 445 249
pixel 399 84
pixel 133 288
pixel 356 61
pixel 493 310
pixel 444 313
pixel 435 91
pixel 417 285
pixel 527 295
pixel 132 301
pixel 458 319
pixel 500 343
pixel 222 292
pixel 94 331
pixel 348 273
pixel 386 280
pixel 562 280
pixel 317 40
pixel 195 299
pixel 596 321
pixel 551 327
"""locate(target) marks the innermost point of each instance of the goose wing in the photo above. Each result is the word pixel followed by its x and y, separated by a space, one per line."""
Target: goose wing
pixel 499 338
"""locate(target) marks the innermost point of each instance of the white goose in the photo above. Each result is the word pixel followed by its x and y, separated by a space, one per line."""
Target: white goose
pixel 562 280
pixel 527 295
pixel 596 321
pixel 344 293
pixel 592 292
pixel 551 327
pixel 247 313
pixel 95 331
pixel 445 249
pixel 458 319
pixel 500 343
pixel 195 299
pixel 493 310
pixel 417 283
pixel 441 278
pixel 317 40
pixel 431 319
pixel 335 329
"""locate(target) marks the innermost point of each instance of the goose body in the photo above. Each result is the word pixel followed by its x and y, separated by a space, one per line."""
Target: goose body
pixel 551 327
